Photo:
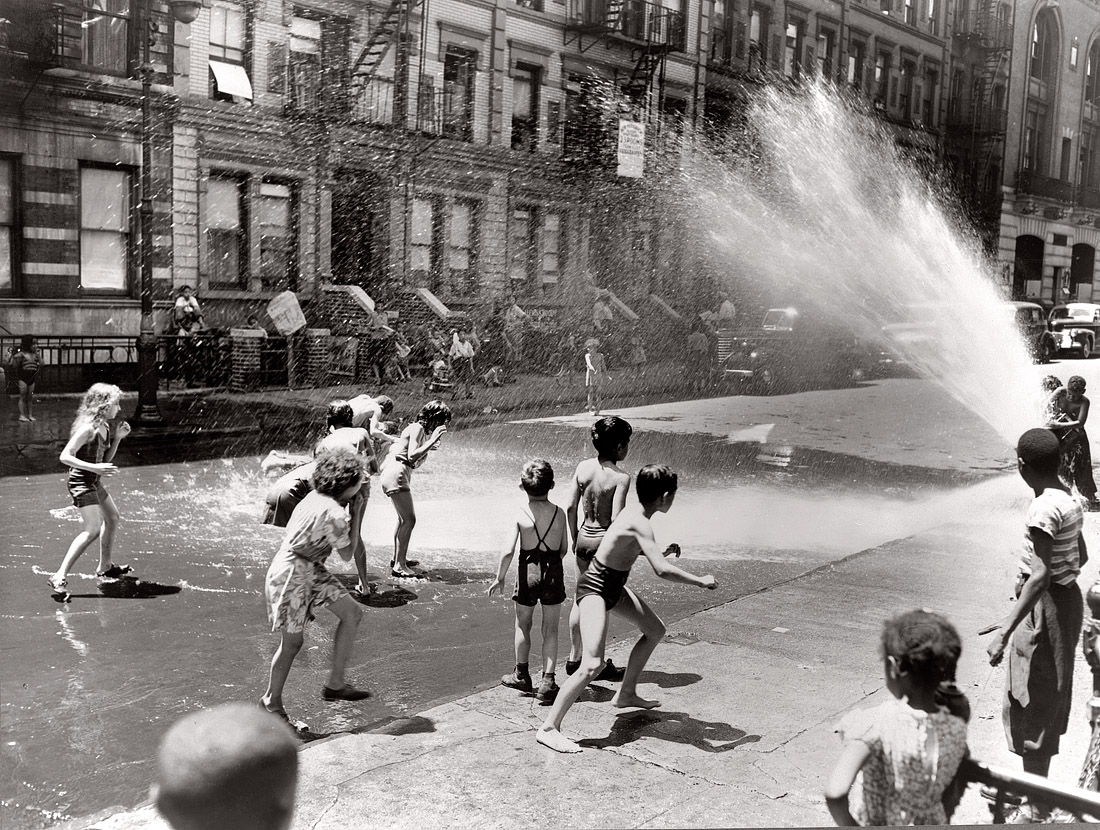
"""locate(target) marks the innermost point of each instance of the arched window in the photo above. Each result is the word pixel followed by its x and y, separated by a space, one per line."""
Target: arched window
pixel 1092 74
pixel 1044 47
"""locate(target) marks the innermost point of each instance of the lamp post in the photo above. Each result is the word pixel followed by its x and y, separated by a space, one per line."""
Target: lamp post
pixel 148 411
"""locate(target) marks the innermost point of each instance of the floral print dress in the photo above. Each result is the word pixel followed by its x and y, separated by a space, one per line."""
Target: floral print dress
pixel 914 757
pixel 297 580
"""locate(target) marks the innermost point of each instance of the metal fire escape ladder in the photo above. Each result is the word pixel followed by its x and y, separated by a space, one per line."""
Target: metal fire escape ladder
pixel 380 41
pixel 993 68
pixel 641 77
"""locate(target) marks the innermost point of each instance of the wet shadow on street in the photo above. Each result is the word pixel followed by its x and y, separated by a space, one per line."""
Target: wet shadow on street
pixel 677 727
pixel 670 680
pixel 416 725
pixel 455 576
pixel 130 589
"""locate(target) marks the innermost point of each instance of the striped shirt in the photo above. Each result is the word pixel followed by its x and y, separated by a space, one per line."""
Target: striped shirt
pixel 1059 515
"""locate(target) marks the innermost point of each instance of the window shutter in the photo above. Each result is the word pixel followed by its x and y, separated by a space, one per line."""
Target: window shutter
pixel 276 67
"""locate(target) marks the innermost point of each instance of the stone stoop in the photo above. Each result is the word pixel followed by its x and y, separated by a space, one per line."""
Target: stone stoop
pixel 347 309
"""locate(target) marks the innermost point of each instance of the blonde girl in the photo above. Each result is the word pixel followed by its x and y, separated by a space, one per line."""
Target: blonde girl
pixel 93 442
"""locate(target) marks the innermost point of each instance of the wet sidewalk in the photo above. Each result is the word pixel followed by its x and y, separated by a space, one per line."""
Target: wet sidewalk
pixel 750 691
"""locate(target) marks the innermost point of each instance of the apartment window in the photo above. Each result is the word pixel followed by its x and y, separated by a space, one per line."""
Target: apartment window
pixel 304 65
pixel 826 48
pixel 521 246
pixel 792 49
pixel 882 75
pixel 278 263
pixel 228 77
pixel 758 40
pixel 928 105
pixel 105 35
pixel 104 229
pixel 1092 75
pixel 551 249
pixel 933 17
pixel 962 15
pixel 530 4
pixel 721 38
pixel 459 71
pixel 1089 173
pixel 1034 124
pixel 525 107
pixel 423 243
pixel 226 240
pixel 857 54
pixel 1044 47
pixel 1066 160
pixel 905 101
pixel 910 12
pixel 7 225
pixel 1074 48
pixel 462 247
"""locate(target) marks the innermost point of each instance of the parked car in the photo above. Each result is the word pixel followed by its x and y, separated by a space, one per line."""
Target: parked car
pixel 1075 327
pixel 1031 322
pixel 791 348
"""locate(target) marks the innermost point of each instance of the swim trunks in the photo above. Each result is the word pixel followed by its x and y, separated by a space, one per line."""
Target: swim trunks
pixel 395 476
pixel 589 536
pixel 606 582
pixel 286 493
pixel 540 577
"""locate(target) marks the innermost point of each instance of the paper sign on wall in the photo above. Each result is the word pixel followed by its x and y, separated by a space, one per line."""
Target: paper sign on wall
pixel 631 149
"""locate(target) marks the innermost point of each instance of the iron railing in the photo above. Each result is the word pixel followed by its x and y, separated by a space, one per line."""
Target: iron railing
pixel 987 28
pixel 637 20
pixel 72 364
pixel 1005 785
pixel 1045 186
pixel 200 359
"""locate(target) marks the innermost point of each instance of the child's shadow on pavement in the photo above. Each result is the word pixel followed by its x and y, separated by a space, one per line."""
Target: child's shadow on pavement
pixel 678 727
pixel 667 680
pixel 131 589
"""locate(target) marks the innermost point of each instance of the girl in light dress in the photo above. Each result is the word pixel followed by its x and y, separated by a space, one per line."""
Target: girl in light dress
pixel 902 756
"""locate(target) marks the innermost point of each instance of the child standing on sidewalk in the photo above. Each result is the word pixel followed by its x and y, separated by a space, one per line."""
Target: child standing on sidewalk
pixel 603 589
pixel 298 583
pixel 907 750
pixel 25 365
pixel 595 372
pixel 543 543
pixel 93 442
pixel 1045 622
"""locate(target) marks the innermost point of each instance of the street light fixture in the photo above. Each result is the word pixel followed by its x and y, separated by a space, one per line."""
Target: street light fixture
pixel 148 410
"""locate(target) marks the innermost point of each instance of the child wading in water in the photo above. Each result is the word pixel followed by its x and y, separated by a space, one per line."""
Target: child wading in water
pixel 298 582
pixel 404 455
pixel 595 372
pixel 543 543
pixel 907 750
pixel 93 442
pixel 1041 631
pixel 25 365
pixel 603 589
pixel 596 497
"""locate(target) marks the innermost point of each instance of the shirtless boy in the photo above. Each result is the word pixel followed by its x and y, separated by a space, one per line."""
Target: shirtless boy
pixel 368 411
pixel 602 486
pixel 602 589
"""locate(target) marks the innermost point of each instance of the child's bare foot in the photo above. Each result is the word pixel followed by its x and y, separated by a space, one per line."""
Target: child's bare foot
pixel 556 741
pixel 624 701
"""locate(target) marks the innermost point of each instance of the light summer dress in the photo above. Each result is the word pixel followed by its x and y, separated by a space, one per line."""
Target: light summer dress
pixel 914 757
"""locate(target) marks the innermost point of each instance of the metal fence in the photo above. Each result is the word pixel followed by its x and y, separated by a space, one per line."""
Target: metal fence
pixel 72 364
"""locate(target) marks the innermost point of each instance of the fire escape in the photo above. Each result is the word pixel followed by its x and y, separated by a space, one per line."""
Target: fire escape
pixel 648 30
pixel 987 45
pixel 392 30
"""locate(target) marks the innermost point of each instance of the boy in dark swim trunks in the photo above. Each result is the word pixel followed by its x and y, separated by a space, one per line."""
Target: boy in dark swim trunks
pixel 602 486
pixel 543 542
pixel 602 589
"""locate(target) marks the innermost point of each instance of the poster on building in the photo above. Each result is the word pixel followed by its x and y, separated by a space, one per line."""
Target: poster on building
pixel 286 314
pixel 343 352
pixel 631 149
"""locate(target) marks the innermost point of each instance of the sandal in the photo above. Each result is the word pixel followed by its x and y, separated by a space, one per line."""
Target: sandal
pixel 396 574
pixel 114 572
pixel 59 590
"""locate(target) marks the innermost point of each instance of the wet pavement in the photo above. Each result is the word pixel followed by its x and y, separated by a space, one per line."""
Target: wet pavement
pixel 87 689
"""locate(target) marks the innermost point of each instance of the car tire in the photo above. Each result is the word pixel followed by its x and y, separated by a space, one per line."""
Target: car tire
pixel 1044 351
pixel 1086 348
pixel 765 380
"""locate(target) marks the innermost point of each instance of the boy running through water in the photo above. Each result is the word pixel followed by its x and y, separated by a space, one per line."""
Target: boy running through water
pixel 602 589
pixel 602 486
pixel 540 532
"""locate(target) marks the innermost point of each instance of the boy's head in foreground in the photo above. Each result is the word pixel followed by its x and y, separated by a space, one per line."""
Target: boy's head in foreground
pixel 611 437
pixel 233 767
pixel 656 486
pixel 537 478
pixel 920 650
pixel 1037 454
